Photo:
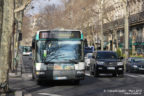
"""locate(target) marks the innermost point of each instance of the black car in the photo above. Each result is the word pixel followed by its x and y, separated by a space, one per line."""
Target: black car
pixel 135 64
pixel 106 62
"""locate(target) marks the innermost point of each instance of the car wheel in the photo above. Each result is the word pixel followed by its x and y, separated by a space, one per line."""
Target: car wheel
pixel 114 75
pixel 127 70
pixel 91 71
pixel 33 74
pixel 130 70
pixel 96 74
pixel 121 75
pixel 39 82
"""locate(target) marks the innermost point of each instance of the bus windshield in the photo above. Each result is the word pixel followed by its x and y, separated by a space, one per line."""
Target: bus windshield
pixel 58 51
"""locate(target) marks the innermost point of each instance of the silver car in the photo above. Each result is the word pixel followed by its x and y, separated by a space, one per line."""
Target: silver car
pixel 135 64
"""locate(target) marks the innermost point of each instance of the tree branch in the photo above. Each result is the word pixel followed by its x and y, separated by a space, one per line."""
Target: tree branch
pixel 22 7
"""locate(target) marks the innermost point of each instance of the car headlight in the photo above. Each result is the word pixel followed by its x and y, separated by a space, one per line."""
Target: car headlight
pixel 119 63
pixel 100 63
pixel 135 66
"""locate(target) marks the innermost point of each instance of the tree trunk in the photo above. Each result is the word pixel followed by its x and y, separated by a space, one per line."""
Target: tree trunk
pixel 17 30
pixel 126 29
pixel 101 17
pixel 1 18
pixel 7 26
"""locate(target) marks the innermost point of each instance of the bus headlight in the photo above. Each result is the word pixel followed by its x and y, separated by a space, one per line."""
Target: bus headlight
pixel 40 73
pixel 41 67
pixel 80 66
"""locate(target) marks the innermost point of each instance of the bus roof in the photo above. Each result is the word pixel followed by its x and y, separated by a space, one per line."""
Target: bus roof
pixel 38 32
pixel 59 30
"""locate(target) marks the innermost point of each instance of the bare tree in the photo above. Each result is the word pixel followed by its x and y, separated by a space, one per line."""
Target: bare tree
pixel 6 34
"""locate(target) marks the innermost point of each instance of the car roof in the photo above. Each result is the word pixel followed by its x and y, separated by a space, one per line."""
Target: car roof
pixel 104 51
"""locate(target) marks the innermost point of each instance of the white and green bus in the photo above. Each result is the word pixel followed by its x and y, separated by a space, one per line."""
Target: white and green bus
pixel 58 55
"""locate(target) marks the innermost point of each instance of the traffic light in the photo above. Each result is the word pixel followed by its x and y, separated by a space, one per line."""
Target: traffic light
pixel 20 37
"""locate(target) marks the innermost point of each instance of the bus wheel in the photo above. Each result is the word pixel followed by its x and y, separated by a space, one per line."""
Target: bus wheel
pixel 39 82
pixel 96 74
pixel 114 75
pixel 33 77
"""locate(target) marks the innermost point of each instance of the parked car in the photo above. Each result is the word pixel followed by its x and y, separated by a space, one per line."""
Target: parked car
pixel 106 62
pixel 88 56
pixel 135 64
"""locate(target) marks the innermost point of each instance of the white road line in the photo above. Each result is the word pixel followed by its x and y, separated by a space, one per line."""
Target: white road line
pixel 134 75
pixel 130 75
pixel 48 94
pixel 142 75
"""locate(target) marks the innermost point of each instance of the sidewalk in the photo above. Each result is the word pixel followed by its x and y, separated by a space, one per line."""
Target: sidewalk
pixel 17 77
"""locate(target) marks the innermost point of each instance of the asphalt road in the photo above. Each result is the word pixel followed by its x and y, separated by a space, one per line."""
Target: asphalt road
pixel 105 85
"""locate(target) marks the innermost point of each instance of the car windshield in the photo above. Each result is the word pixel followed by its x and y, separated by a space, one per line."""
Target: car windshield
pixel 138 60
pixel 89 55
pixel 106 55
pixel 27 49
pixel 58 51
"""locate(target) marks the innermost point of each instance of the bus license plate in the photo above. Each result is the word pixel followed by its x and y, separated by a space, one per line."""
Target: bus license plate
pixel 60 78
pixel 111 68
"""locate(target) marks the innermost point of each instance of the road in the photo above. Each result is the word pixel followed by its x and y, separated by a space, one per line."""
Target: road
pixel 105 85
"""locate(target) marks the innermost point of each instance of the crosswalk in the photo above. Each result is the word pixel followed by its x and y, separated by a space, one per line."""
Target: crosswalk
pixel 48 94
pixel 132 75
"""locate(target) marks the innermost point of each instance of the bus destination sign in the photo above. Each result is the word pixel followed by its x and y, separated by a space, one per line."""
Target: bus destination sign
pixel 59 34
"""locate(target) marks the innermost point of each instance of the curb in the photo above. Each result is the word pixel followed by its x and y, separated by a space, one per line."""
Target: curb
pixel 14 75
pixel 20 93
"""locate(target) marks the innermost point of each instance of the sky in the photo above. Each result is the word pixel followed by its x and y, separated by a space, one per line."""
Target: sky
pixel 38 5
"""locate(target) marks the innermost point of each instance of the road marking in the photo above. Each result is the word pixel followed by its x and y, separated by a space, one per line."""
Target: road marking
pixel 130 75
pixel 134 75
pixel 28 95
pixel 48 94
pixel 142 75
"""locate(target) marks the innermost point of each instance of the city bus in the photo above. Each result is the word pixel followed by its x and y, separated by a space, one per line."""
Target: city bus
pixel 26 50
pixel 58 55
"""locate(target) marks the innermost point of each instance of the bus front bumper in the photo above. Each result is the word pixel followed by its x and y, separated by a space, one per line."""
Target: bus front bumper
pixel 61 75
